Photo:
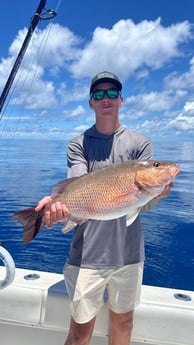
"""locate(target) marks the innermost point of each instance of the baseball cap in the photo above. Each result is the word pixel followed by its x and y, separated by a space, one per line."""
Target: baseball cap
pixel 104 77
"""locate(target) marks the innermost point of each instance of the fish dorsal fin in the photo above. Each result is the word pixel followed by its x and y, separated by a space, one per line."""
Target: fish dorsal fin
pixel 59 187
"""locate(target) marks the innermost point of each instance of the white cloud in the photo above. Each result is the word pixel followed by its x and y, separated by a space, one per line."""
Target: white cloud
pixel 128 46
pixel 181 80
pixel 74 114
pixel 52 47
pixel 184 120
pixel 189 106
pixel 50 51
pixel 76 131
pixel 151 102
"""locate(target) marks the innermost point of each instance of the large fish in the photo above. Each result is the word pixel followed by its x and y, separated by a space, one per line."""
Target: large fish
pixel 107 193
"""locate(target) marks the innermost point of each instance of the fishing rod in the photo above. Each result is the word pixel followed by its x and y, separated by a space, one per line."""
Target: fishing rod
pixel 48 14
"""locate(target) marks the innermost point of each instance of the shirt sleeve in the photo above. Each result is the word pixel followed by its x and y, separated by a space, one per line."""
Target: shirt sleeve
pixel 145 150
pixel 76 161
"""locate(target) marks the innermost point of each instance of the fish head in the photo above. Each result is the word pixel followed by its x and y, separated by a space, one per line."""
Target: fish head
pixel 153 174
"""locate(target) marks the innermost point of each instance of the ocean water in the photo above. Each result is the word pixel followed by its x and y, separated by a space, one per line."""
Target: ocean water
pixel 30 167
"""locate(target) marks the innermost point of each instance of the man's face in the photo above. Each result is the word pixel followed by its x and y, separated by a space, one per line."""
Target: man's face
pixel 106 106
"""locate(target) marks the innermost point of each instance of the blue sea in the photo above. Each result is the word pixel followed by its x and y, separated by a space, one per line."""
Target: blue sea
pixel 30 167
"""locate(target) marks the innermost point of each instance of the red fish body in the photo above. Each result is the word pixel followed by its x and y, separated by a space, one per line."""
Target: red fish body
pixel 108 193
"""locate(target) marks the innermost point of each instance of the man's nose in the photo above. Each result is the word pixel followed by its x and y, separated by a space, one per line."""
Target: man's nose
pixel 105 97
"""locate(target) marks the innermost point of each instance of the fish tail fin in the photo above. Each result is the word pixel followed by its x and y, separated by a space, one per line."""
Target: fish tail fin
pixel 32 222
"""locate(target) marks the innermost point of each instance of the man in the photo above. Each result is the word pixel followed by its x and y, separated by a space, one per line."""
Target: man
pixel 103 254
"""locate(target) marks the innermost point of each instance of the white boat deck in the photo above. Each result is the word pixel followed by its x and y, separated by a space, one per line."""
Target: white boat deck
pixel 36 311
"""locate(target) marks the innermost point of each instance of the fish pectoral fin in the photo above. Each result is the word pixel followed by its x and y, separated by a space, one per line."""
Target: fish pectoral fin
pixel 130 196
pixel 70 224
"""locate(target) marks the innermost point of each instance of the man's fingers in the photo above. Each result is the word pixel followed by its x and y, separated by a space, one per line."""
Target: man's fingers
pixel 166 191
pixel 43 202
pixel 57 213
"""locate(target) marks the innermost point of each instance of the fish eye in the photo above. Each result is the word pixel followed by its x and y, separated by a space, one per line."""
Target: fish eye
pixel 156 164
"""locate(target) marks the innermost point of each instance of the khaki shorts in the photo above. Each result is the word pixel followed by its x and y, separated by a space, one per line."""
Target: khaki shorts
pixel 86 288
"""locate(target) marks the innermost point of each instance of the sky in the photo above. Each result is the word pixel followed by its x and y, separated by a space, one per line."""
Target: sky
pixel 149 44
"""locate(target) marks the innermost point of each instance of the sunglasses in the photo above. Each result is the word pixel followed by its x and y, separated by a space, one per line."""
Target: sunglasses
pixel 99 94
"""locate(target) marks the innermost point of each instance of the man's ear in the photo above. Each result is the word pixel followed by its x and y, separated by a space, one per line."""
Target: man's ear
pixel 121 101
pixel 90 103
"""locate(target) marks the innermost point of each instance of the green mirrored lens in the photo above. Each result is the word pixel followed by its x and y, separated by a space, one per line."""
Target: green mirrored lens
pixel 112 93
pixel 98 94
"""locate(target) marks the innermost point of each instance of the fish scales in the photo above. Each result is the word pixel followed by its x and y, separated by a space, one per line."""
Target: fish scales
pixel 99 191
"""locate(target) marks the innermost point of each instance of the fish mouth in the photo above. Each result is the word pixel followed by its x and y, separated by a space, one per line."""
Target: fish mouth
pixel 175 170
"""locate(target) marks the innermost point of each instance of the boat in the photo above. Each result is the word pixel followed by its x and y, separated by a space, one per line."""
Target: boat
pixel 34 309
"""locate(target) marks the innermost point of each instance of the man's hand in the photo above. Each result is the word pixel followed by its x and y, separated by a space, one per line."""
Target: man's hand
pixel 57 212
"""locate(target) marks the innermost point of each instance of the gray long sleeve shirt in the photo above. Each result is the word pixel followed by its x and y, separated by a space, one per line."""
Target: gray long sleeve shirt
pixel 106 244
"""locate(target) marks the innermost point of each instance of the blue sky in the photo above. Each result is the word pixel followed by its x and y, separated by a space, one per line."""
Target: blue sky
pixel 149 44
